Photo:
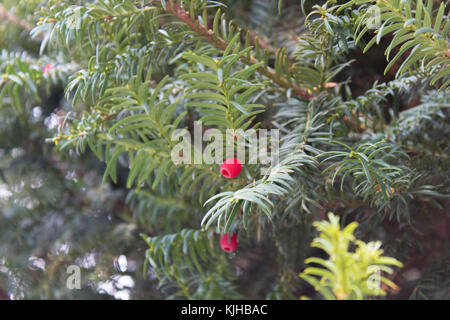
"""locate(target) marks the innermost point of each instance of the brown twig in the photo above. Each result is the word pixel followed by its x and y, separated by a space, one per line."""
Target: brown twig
pixel 261 43
pixel 221 44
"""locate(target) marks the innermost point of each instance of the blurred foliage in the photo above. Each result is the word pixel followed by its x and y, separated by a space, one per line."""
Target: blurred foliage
pixel 347 275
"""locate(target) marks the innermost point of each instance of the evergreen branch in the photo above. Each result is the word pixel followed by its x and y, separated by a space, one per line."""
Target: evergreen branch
pixel 277 182
pixel 369 164
pixel 221 44
pixel 346 274
pixel 422 32
pixel 189 259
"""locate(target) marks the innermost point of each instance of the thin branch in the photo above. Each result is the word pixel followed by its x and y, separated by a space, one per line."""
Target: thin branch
pixel 221 44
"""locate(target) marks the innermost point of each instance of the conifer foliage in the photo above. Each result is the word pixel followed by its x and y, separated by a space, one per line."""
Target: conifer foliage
pixel 355 115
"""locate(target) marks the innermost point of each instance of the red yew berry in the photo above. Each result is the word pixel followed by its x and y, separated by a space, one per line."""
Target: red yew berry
pixel 231 168
pixel 47 68
pixel 228 245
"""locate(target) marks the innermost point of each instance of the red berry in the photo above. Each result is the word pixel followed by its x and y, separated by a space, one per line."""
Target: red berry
pixel 231 168
pixel 228 245
pixel 47 68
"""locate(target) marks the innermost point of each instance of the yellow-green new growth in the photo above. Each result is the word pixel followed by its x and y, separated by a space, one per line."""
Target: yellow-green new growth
pixel 347 274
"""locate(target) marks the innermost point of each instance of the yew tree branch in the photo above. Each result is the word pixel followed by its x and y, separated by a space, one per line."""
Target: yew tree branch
pixel 221 44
